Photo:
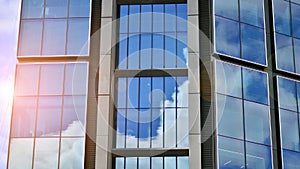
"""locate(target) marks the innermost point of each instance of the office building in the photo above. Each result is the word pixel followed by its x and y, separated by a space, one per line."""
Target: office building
pixel 170 84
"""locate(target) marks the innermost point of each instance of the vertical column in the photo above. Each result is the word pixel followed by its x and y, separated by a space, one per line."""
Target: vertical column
pixel 194 85
pixel 105 86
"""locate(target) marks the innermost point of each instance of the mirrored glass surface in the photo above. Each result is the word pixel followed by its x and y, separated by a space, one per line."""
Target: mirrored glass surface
pixel 123 18
pixel 231 153
pixel 133 95
pixel 183 162
pixel 122 53
pixel 146 18
pixel 170 128
pixel 157 93
pixel 133 51
pixel 255 86
pixel 132 128
pixel 131 162
pixel 144 162
pixel 134 18
pixel 290 159
pixel 157 162
pixel 253 39
pixel 56 8
pixel 51 79
pixel 296 19
pixel 297 54
pixel 182 128
pixel 227 37
pixel 258 156
pixel 230 117
pixel 145 92
pixel 20 153
pixel 158 51
pixel 79 8
pixel 122 91
pixel 289 130
pixel 228 9
pixel 29 44
pixel 182 50
pixel 182 92
pixel 158 18
pixel 251 12
pixel 74 113
pixel 257 123
pixel 76 79
pixel 157 131
pixel 284 53
pixel 72 153
pixel 78 36
pixel 48 118
pixel 121 126
pixel 182 17
pixel 23 118
pixel 282 16
pixel 119 163
pixel 170 50
pixel 146 45
pixel 170 162
pixel 27 80
pixel 170 18
pixel 229 79
pixel 54 37
pixel 287 94
pixel 170 91
pixel 32 8
pixel 144 128
pixel 46 153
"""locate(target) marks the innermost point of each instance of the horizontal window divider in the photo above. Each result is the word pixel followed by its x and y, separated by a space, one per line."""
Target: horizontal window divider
pixel 137 2
pixel 149 152
pixel 152 72
pixel 39 58
pixel 239 21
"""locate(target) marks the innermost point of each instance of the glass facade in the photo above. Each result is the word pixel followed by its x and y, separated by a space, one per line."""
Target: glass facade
pixel 60 27
pixel 243 118
pixel 49 116
pixel 239 29
pixel 287 34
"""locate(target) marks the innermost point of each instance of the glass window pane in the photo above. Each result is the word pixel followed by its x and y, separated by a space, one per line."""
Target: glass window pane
pixel 158 51
pixel 183 162
pixel 228 9
pixel 227 37
pixel 78 37
pixel 54 37
pixel 72 153
pixel 170 50
pixel 231 153
pixel 132 128
pixel 49 113
pixel 289 130
pixel 122 52
pixel 56 8
pixel 46 153
pixel 257 123
pixel 182 50
pixel 157 92
pixel 158 18
pixel 146 18
pixel 120 138
pixel 297 54
pixel 23 118
pixel 133 51
pixel 290 159
pixel 229 79
pixel 32 8
pixel 182 91
pixel 258 156
pixel 157 128
pixel 282 16
pixel 121 93
pixel 182 128
pixel 170 128
pixel 253 39
pixel 145 92
pixel 119 163
pixel 296 1
pixel 252 12
pixel 30 44
pixel 230 117
pixel 170 162
pixel 157 162
pixel 131 163
pixel 79 8
pixel 284 53
pixel 287 94
pixel 170 17
pixel 29 75
pixel 74 113
pixel 170 91
pixel 123 18
pixel 298 94
pixel 144 163
pixel 146 45
pixel 255 86
pixel 182 17
pixel 76 79
pixel 144 128
pixel 51 81
pixel 296 20
pixel 133 95
pixel 20 153
pixel 134 18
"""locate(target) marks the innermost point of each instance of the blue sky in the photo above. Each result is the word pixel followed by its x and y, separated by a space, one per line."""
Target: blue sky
pixel 9 14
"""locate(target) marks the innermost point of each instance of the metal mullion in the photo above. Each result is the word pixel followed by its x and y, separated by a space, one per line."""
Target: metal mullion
pixel 126 113
pixel 297 110
pixel 140 36
pixel 164 37
pixel 67 27
pixel 176 113
pixel 240 28
pixel 151 33
pixel 243 111
pixel 151 118
pixel 43 28
pixel 138 111
pixel 176 37
pixel 292 34
pixel 163 116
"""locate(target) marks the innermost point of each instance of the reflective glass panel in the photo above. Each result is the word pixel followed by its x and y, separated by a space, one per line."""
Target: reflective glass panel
pixel 170 50
pixel 146 45
pixel 251 12
pixel 296 19
pixel 287 94
pixel 255 86
pixel 27 74
pixel 79 8
pixel 290 159
pixel 182 128
pixel 54 37
pixel 227 9
pixel 72 153
pixel 51 79
pixel 133 95
pixel 133 51
pixel 122 86
pixel 182 17
pixel 227 37
pixel 32 8
pixel 258 156
pixel 20 153
pixel 134 18
pixel 121 123
pixel 170 128
pixel 146 18
pixel 122 53
pixel 132 128
pixel 158 18
pixel 284 53
pixel 46 153
pixel 170 18
pixel 297 54
pixel 29 44
pixel 282 16
pixel 76 79
pixel 145 92
pixel 123 18
pixel 56 8
pixel 158 51
pixel 23 118
pixel 78 36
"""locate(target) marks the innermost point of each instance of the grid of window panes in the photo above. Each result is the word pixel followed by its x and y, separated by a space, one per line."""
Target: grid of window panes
pixel 48 119
pixel 54 27
pixel 243 118
pixel 152 36
pixel 152 162
pixel 287 34
pixel 239 29
pixel 289 105
pixel 152 112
